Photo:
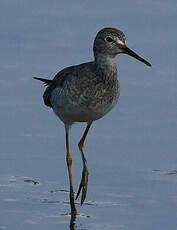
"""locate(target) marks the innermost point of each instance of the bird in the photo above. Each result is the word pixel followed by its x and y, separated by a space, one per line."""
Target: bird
pixel 87 92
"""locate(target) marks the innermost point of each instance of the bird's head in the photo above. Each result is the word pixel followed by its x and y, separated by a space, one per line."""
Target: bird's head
pixel 110 42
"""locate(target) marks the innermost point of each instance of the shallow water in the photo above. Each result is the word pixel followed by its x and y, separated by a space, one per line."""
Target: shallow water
pixel 131 153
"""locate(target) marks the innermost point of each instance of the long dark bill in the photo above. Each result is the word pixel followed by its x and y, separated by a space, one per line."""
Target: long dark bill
pixel 133 54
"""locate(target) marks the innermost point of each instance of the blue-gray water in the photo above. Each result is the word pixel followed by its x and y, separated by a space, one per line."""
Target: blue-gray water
pixel 131 153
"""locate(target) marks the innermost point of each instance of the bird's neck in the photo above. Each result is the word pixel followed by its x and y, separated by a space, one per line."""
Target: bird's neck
pixel 105 62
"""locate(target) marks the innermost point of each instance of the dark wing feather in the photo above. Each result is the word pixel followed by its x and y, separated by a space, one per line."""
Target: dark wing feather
pixel 57 81
pixel 44 80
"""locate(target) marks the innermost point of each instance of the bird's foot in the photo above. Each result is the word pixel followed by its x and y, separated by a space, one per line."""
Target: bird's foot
pixel 83 184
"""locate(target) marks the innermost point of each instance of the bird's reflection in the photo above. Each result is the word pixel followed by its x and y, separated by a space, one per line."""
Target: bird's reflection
pixel 73 210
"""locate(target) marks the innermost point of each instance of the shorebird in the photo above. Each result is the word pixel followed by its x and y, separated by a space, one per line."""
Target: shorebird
pixel 87 92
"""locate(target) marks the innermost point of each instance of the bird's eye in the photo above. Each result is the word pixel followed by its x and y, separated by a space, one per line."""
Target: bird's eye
pixel 109 39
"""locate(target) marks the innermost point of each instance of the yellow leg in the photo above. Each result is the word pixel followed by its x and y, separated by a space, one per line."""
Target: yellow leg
pixel 69 165
pixel 84 179
pixel 68 158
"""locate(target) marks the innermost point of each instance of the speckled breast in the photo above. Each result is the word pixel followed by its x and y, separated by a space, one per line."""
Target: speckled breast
pixel 87 102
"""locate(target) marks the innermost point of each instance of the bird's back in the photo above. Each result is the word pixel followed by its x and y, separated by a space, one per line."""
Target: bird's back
pixel 67 76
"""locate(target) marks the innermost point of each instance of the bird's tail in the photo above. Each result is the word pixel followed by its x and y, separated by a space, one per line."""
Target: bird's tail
pixel 45 81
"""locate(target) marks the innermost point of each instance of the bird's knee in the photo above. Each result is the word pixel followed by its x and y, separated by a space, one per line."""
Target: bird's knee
pixel 81 144
pixel 68 160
